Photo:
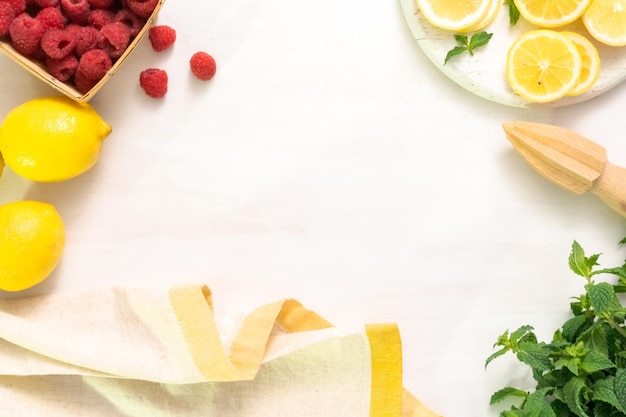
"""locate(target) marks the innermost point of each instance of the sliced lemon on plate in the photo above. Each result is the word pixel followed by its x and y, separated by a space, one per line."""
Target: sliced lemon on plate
pixel 543 65
pixel 606 21
pixel 457 15
pixel 590 70
pixel 552 13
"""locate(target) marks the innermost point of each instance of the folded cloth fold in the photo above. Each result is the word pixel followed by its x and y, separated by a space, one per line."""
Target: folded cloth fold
pixel 135 352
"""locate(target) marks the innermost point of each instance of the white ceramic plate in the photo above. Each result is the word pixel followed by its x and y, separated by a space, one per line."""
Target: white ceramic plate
pixel 483 73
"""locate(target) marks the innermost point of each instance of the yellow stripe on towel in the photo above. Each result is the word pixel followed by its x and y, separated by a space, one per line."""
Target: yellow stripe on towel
pixel 385 345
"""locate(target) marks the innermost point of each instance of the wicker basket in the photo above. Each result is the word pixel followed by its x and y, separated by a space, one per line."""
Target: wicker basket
pixel 68 89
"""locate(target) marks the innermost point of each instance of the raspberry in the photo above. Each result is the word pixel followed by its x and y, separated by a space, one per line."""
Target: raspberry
pixel 18 5
pixel 58 43
pixel 46 3
pixel 130 19
pixel 77 11
pixel 154 82
pixel 26 32
pixel 101 4
pixel 203 65
pixel 94 64
pixel 87 38
pixel 161 37
pixel 142 8
pixel 62 69
pixel 7 14
pixel 99 17
pixel 51 17
pixel 115 39
pixel 84 84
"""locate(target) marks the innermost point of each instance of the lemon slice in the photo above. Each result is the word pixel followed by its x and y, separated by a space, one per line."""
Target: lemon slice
pixel 606 21
pixel 456 15
pixel 552 13
pixel 590 63
pixel 492 12
pixel 543 65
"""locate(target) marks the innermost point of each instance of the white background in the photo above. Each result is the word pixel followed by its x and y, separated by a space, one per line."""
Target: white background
pixel 331 162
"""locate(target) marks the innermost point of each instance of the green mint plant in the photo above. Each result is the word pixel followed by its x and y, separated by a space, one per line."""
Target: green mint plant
pixel 582 371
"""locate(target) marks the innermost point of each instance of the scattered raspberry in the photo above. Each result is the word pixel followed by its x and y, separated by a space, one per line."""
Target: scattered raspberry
pixel 77 11
pixel 142 8
pixel 115 39
pixel 101 4
pixel 26 32
pixel 51 17
pixel 161 37
pixel 94 64
pixel 7 14
pixel 62 69
pixel 130 19
pixel 58 43
pixel 87 38
pixel 46 3
pixel 154 82
pixel 203 65
pixel 18 5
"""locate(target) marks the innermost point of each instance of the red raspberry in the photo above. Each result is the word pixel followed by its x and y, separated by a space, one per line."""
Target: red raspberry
pixel 161 37
pixel 46 3
pixel 7 14
pixel 99 17
pixel 26 32
pixel 58 43
pixel 130 19
pixel 94 64
pixel 203 65
pixel 115 39
pixel 142 8
pixel 62 69
pixel 84 84
pixel 87 38
pixel 77 11
pixel 18 5
pixel 154 82
pixel 101 4
pixel 51 17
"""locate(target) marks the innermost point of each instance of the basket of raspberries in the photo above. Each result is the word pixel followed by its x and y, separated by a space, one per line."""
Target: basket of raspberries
pixel 73 45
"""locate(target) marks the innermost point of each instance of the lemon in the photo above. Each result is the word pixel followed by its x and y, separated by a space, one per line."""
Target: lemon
pixel 458 15
pixel 32 238
pixel 590 63
pixel 51 139
pixel 552 13
pixel 492 12
pixel 606 21
pixel 543 65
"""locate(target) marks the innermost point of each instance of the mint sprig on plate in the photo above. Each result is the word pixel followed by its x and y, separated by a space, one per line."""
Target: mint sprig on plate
pixel 582 371
pixel 468 44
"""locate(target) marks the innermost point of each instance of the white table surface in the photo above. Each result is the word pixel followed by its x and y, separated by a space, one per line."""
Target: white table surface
pixel 331 162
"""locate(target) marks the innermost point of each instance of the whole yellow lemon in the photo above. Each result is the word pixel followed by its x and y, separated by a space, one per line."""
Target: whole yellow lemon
pixel 32 238
pixel 50 139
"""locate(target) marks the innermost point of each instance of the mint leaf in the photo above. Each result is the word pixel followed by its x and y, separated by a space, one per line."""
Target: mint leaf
pixel 467 44
pixel 602 298
pixel 537 405
pixel 496 355
pixel 514 13
pixel 572 327
pixel 595 361
pixel 604 390
pixel 620 386
pixel 505 393
pixel 580 264
pixel 572 393
pixel 535 355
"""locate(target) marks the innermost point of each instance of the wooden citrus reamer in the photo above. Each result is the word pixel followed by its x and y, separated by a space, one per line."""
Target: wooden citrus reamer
pixel 570 161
